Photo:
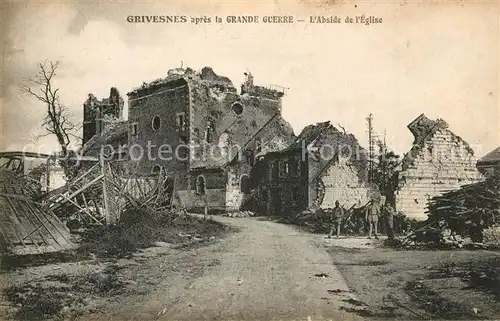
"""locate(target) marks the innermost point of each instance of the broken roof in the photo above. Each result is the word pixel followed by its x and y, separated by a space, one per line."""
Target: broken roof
pixel 206 74
pixel 308 135
pixel 491 157
pixel 27 227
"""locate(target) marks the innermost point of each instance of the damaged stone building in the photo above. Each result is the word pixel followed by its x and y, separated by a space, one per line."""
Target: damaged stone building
pixel 204 134
pixel 224 148
pixel 103 124
pixel 438 161
pixel 322 166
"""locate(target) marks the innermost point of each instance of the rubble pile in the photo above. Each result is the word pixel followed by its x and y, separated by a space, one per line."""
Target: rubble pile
pixel 239 214
pixel 465 218
pixel 353 221
pixel 468 211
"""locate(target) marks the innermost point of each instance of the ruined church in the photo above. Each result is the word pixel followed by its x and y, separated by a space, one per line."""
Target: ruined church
pixel 227 149
pixel 212 141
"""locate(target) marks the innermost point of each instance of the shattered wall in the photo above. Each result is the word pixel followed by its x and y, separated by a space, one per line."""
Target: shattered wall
pixel 275 135
pixel 440 163
pixel 341 183
pixel 95 110
pixel 234 195
pixel 335 161
pixel 204 112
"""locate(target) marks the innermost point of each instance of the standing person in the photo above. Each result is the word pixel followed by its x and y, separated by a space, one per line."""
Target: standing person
pixel 371 216
pixel 389 212
pixel 336 219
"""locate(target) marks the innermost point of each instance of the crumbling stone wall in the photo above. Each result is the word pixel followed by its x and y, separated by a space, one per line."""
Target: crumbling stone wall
pixel 328 179
pixel 442 163
pixel 214 114
pixel 95 110
pixel 341 182
pixel 234 195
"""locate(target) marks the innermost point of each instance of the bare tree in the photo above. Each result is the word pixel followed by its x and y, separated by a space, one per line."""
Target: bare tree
pixel 57 120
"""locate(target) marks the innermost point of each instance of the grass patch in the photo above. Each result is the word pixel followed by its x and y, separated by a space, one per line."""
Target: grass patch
pixel 62 295
pixel 140 229
pixel 436 305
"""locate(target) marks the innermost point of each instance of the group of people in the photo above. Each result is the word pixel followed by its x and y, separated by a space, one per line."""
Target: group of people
pixel 374 211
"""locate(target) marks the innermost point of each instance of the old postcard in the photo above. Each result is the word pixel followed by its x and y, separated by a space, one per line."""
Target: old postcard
pixel 234 160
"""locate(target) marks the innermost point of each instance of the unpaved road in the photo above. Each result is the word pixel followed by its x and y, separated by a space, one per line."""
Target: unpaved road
pixel 265 272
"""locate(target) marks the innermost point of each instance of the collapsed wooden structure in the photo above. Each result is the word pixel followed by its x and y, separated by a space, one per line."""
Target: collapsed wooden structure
pixel 33 221
pixel 26 226
pixel 101 193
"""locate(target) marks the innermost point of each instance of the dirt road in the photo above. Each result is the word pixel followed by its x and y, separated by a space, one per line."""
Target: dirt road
pixel 267 271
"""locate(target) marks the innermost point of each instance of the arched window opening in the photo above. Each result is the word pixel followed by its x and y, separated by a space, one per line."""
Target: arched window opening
pixel 209 134
pixel 245 184
pixel 200 185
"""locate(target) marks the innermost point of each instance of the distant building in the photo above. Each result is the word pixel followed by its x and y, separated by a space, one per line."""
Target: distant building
pixel 488 163
pixel 321 166
pixel 438 161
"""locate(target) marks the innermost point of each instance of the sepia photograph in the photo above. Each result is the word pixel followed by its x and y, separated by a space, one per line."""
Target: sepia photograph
pixel 313 160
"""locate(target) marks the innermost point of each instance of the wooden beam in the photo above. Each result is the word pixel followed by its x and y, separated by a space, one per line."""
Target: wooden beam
pixel 104 192
pixel 82 176
pixel 45 226
pixel 92 182
pixel 12 223
pixel 25 217
pixel 78 206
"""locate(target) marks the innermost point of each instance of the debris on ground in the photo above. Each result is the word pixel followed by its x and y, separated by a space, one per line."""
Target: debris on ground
pixel 465 218
pixel 353 221
pixel 239 214
pixel 469 210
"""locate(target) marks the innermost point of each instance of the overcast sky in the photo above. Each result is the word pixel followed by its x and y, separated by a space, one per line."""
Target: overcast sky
pixel 441 60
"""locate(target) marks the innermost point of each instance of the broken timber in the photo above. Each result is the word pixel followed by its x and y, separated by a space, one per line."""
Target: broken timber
pixel 25 226
pixel 100 194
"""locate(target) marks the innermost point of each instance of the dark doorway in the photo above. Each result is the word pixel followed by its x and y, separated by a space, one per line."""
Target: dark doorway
pixel 275 202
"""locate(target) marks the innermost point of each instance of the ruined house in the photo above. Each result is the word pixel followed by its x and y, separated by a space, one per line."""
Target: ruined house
pixel 321 166
pixel 489 163
pixel 104 129
pixel 439 161
pixel 197 128
pixel 96 113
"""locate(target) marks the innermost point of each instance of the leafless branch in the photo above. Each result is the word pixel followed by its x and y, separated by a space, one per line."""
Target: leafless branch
pixel 57 120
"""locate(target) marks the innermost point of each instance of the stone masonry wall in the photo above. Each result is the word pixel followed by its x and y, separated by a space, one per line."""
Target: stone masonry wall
pixel 215 186
pixel 444 163
pixel 165 103
pixel 342 184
